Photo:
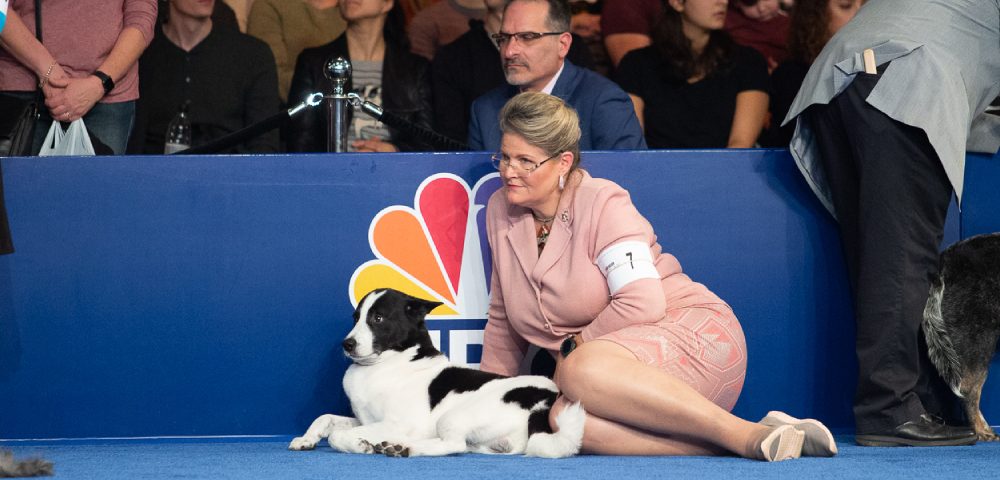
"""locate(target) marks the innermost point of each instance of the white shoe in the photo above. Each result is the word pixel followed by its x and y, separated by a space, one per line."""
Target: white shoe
pixel 783 443
pixel 819 441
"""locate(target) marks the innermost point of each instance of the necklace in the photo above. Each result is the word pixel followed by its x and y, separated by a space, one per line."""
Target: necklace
pixel 544 229
pixel 543 220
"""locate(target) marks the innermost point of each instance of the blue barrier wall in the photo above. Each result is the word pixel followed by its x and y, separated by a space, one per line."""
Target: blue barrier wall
pixel 156 296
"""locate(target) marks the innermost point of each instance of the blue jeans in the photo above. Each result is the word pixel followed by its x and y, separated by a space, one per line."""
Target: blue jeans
pixel 108 123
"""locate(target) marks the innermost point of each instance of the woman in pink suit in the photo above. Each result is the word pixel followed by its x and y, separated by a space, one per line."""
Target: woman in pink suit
pixel 656 359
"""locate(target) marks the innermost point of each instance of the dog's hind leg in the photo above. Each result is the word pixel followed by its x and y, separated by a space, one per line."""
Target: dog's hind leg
pixel 321 428
pixel 970 400
pixel 432 447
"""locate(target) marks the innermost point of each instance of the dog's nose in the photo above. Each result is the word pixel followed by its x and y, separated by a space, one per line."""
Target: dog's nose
pixel 350 344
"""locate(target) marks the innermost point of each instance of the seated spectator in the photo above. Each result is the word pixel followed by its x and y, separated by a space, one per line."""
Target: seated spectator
pixel 223 16
pixel 534 40
pixel 813 22
pixel 465 69
pixel 694 87
pixel 585 23
pixel 227 79
pixel 385 73
pixel 628 25
pixel 762 25
pixel 411 7
pixel 442 23
pixel 290 26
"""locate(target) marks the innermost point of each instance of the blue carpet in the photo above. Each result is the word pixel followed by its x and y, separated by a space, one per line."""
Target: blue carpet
pixel 268 459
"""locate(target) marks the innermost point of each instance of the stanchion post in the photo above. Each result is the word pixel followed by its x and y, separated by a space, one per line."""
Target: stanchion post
pixel 338 71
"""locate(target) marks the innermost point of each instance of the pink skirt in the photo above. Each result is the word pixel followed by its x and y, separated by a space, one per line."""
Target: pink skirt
pixel 703 346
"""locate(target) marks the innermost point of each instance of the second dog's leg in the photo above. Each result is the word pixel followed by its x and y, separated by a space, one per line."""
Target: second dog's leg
pixel 970 401
pixel 321 428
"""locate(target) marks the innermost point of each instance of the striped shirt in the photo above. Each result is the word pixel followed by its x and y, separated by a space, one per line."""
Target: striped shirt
pixel 367 82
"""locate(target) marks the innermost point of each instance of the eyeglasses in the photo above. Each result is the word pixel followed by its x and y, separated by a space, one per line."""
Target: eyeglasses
pixel 521 164
pixel 525 38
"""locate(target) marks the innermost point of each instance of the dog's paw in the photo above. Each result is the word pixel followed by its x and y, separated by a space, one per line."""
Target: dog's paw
pixel 393 450
pixel 988 436
pixel 302 443
pixel 365 446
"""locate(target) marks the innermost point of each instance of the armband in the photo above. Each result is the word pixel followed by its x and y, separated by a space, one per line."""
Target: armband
pixel 626 262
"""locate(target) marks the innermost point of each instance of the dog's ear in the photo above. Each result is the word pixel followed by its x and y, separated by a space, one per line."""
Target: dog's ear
pixel 418 308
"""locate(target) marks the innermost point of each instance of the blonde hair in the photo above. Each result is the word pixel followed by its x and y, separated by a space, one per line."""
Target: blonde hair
pixel 544 121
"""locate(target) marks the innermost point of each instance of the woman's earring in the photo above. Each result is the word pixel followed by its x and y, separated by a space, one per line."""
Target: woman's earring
pixel 562 182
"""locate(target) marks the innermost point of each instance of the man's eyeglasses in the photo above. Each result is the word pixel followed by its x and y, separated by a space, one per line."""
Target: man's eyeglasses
pixel 522 164
pixel 501 38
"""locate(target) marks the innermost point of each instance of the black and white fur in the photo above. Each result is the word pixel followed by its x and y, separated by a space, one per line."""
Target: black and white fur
pixel 410 400
pixel 962 321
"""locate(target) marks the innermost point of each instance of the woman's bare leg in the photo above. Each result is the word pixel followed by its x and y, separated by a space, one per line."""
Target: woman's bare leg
pixel 655 413
pixel 604 437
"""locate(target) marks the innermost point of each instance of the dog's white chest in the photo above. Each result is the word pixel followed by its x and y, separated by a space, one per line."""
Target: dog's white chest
pixel 391 391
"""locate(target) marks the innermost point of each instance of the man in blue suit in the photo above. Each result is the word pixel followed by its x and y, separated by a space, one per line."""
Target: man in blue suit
pixel 534 39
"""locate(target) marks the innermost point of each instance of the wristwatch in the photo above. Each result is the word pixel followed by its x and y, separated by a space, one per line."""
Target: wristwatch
pixel 106 81
pixel 567 346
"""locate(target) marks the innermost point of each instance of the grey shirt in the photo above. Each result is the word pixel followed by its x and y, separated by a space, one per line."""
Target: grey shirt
pixel 945 70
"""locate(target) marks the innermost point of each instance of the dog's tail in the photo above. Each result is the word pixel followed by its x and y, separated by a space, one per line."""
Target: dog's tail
pixel 35 467
pixel 564 442
pixel 940 348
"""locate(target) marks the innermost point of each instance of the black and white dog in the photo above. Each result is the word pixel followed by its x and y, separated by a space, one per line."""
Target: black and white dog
pixel 962 321
pixel 410 400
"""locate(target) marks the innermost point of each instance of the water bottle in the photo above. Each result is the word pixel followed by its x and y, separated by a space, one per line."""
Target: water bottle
pixel 179 132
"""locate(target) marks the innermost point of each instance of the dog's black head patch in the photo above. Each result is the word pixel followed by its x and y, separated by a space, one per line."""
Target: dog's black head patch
pixel 389 320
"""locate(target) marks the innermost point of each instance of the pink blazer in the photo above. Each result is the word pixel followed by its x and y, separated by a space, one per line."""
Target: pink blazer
pixel 540 300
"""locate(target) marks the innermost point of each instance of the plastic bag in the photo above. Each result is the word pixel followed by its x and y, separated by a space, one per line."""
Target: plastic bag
pixel 73 141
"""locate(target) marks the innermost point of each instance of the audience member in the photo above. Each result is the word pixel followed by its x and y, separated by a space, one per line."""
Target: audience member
pixel 16 39
pixel 694 87
pixel 97 44
pixel 223 16
pixel 442 23
pixel 883 144
pixel 290 26
pixel 534 40
pixel 411 7
pixel 385 73
pixel 762 25
pixel 813 22
pixel 628 25
pixel 226 78
pixel 585 25
pixel 621 337
pixel 470 66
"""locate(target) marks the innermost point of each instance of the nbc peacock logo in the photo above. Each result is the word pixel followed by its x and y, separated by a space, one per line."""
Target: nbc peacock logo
pixel 436 250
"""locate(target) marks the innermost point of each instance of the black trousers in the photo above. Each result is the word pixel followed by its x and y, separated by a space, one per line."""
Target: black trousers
pixel 891 196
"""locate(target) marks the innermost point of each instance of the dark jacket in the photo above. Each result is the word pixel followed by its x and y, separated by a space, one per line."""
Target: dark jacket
pixel 469 67
pixel 406 92
pixel 607 117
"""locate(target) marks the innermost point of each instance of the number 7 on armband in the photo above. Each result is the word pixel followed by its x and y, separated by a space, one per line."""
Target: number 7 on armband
pixel 626 262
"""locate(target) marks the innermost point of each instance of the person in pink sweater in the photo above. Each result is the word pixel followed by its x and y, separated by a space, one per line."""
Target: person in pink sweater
pixel 656 359
pixel 97 44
